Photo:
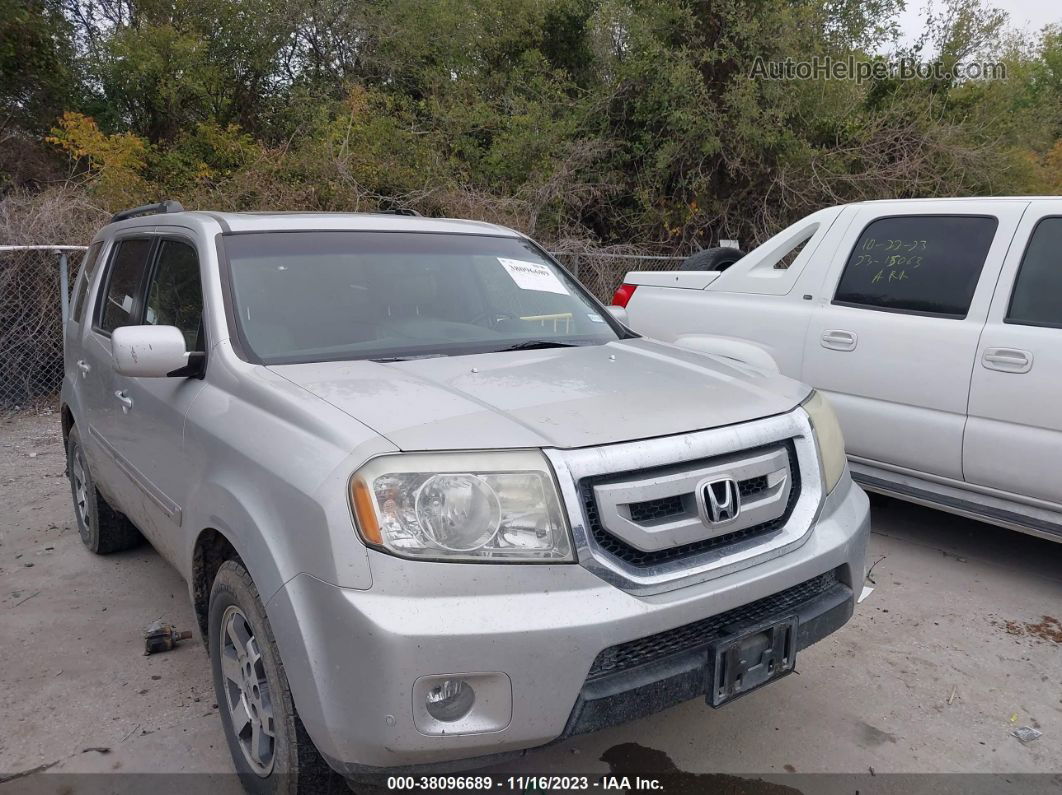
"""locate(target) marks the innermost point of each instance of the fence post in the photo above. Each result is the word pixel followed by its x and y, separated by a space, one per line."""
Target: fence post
pixel 64 287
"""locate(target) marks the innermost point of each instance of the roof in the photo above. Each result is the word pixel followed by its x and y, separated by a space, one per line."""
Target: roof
pixel 963 199
pixel 300 221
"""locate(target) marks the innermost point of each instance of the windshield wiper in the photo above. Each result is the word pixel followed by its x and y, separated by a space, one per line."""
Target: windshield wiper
pixel 410 357
pixel 527 345
pixel 530 345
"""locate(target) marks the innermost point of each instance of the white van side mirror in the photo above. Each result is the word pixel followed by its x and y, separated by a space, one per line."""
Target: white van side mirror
pixel 619 313
pixel 149 351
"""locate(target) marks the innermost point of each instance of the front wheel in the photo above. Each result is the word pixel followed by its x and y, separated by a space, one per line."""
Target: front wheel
pixel 269 745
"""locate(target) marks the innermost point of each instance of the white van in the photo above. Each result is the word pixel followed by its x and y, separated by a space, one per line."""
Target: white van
pixel 934 326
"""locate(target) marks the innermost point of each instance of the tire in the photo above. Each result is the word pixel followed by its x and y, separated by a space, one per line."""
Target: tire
pixel 712 259
pixel 250 684
pixel 102 529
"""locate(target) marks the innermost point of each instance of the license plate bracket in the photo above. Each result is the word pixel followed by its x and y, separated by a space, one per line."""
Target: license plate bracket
pixel 751 659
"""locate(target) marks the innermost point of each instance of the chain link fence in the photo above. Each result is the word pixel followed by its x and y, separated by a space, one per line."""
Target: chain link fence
pixel 31 310
pixel 31 322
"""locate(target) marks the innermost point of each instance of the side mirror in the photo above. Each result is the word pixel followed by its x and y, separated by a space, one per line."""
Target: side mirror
pixel 150 352
pixel 619 313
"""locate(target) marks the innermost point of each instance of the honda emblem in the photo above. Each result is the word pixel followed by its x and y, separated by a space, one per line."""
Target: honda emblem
pixel 722 501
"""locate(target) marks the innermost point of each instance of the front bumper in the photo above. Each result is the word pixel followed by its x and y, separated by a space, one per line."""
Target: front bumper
pixel 672 666
pixel 352 657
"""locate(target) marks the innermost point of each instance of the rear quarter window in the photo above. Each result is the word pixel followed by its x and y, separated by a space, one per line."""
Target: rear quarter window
pixel 88 270
pixel 925 264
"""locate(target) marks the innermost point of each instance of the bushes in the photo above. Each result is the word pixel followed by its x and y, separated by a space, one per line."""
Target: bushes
pixel 596 122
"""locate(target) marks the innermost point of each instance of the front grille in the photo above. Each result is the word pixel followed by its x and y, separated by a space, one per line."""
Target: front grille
pixel 653 648
pixel 665 507
pixel 652 510
pixel 746 488
pixel 621 550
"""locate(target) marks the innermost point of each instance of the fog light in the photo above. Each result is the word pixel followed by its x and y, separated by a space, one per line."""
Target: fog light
pixel 462 703
pixel 450 700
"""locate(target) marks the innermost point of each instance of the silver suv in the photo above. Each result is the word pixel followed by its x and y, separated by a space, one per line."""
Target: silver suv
pixel 433 501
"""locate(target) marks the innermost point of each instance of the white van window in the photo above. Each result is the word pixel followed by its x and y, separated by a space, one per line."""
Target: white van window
pixel 1037 296
pixel 926 264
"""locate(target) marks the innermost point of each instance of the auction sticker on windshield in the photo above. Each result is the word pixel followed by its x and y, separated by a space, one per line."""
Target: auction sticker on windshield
pixel 533 276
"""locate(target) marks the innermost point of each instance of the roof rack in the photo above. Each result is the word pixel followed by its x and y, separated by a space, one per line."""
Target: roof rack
pixel 148 209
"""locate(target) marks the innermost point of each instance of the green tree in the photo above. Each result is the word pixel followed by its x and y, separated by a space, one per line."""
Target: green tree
pixel 36 65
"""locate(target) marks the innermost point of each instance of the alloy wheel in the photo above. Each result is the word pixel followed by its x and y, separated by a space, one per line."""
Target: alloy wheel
pixel 81 487
pixel 247 691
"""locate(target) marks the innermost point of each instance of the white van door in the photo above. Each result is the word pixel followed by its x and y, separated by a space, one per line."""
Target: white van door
pixel 1013 436
pixel 899 314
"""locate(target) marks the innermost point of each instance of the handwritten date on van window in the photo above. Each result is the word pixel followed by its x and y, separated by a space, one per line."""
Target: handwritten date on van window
pixel 895 244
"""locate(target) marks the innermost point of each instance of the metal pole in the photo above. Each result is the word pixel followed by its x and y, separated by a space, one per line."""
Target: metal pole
pixel 64 286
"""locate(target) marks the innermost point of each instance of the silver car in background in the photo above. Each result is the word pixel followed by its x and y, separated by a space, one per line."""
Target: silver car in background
pixel 435 504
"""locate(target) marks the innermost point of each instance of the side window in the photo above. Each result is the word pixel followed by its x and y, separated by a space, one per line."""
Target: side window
pixel 789 257
pixel 927 264
pixel 124 281
pixel 776 265
pixel 1037 296
pixel 88 270
pixel 175 297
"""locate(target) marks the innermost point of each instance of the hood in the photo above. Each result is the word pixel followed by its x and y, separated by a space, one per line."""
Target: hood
pixel 558 397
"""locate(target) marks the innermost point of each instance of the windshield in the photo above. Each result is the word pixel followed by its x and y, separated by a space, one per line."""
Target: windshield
pixel 320 296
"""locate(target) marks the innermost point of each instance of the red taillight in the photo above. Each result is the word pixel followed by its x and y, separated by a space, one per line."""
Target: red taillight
pixel 623 294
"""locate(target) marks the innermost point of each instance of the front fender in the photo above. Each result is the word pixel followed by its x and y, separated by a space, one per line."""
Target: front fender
pixel 253 535
pixel 279 531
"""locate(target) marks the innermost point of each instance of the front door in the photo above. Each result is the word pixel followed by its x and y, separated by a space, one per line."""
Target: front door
pixel 149 436
pixel 892 342
pixel 1014 434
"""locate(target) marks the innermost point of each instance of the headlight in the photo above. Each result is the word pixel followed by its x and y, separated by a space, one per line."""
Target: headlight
pixel 490 506
pixel 828 434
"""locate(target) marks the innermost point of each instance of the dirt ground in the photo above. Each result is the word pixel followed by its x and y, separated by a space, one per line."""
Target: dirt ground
pixel 959 644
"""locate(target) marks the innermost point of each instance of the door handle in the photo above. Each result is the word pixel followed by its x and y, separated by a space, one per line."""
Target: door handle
pixel 125 400
pixel 1007 360
pixel 839 340
pixel 84 367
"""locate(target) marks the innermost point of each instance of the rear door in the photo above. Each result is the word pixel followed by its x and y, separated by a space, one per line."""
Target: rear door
pixel 1014 434
pixel 895 334
pixel 78 324
pixel 119 301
